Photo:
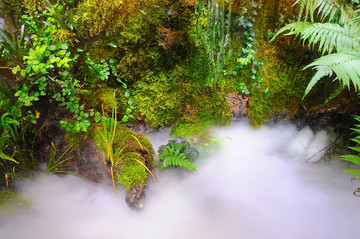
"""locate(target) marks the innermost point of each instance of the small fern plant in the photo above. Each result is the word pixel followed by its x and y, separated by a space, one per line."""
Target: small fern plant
pixel 355 158
pixel 173 157
pixel 177 153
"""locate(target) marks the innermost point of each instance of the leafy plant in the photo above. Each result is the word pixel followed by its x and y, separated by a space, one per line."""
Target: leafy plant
pixel 55 163
pixel 173 157
pixel 116 152
pixel 337 37
pixel 13 46
pixel 177 153
pixel 213 33
pixel 355 159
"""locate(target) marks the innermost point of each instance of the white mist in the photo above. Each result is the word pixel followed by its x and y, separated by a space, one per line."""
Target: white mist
pixel 259 186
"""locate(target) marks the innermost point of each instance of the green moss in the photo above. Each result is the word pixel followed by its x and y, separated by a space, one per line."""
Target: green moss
pixel 6 196
pixel 191 129
pixel 10 201
pixel 159 100
pixel 35 6
pixel 130 173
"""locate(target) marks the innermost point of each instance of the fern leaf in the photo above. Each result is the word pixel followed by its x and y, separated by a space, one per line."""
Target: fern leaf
pixel 324 9
pixel 293 28
pixel 331 36
pixel 356 140
pixel 318 75
pixel 352 171
pixel 351 158
pixel 346 67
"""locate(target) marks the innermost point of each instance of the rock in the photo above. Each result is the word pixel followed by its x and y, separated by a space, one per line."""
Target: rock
pixel 135 197
pixel 89 162
pixel 238 104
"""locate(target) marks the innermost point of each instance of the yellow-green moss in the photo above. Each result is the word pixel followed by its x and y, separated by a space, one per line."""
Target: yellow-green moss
pixel 130 173
pixel 191 129
pixel 35 6
pixel 11 202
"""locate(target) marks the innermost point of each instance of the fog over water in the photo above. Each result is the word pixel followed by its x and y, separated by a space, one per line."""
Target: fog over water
pixel 258 187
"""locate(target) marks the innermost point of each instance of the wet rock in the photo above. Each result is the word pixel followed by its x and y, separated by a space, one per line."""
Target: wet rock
pixel 135 197
pixel 89 162
pixel 238 104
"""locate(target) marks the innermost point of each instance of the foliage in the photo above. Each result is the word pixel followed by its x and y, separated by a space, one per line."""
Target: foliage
pixel 214 34
pixel 325 9
pixel 94 16
pixel 340 33
pixel 13 46
pixel 46 70
pixel 12 9
pixel 116 152
pixel 6 131
pixel 17 138
pixel 35 6
pixel 177 153
pixel 54 164
pixel 355 159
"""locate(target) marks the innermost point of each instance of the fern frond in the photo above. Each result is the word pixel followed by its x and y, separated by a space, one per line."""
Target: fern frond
pixel 324 9
pixel 351 158
pixel 355 159
pixel 173 157
pixel 331 36
pixel 352 171
pixel 346 67
pixel 293 28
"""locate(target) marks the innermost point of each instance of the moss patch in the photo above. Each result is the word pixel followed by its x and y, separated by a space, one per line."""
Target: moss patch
pixel 130 173
pixel 11 202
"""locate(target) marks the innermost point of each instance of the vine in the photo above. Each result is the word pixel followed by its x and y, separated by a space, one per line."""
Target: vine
pixel 246 57
pixel 214 35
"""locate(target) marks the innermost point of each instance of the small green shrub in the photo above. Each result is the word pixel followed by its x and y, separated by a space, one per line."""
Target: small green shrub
pixel 177 153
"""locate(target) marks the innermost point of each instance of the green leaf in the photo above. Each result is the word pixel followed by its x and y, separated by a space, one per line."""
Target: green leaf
pixel 16 69
pixel 346 67
pixel 53 47
pixel 352 171
pixel 351 158
pixel 62 52
pixel 6 157
pixel 112 45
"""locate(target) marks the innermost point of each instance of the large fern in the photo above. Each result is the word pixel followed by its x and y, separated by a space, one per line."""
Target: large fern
pixel 338 38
